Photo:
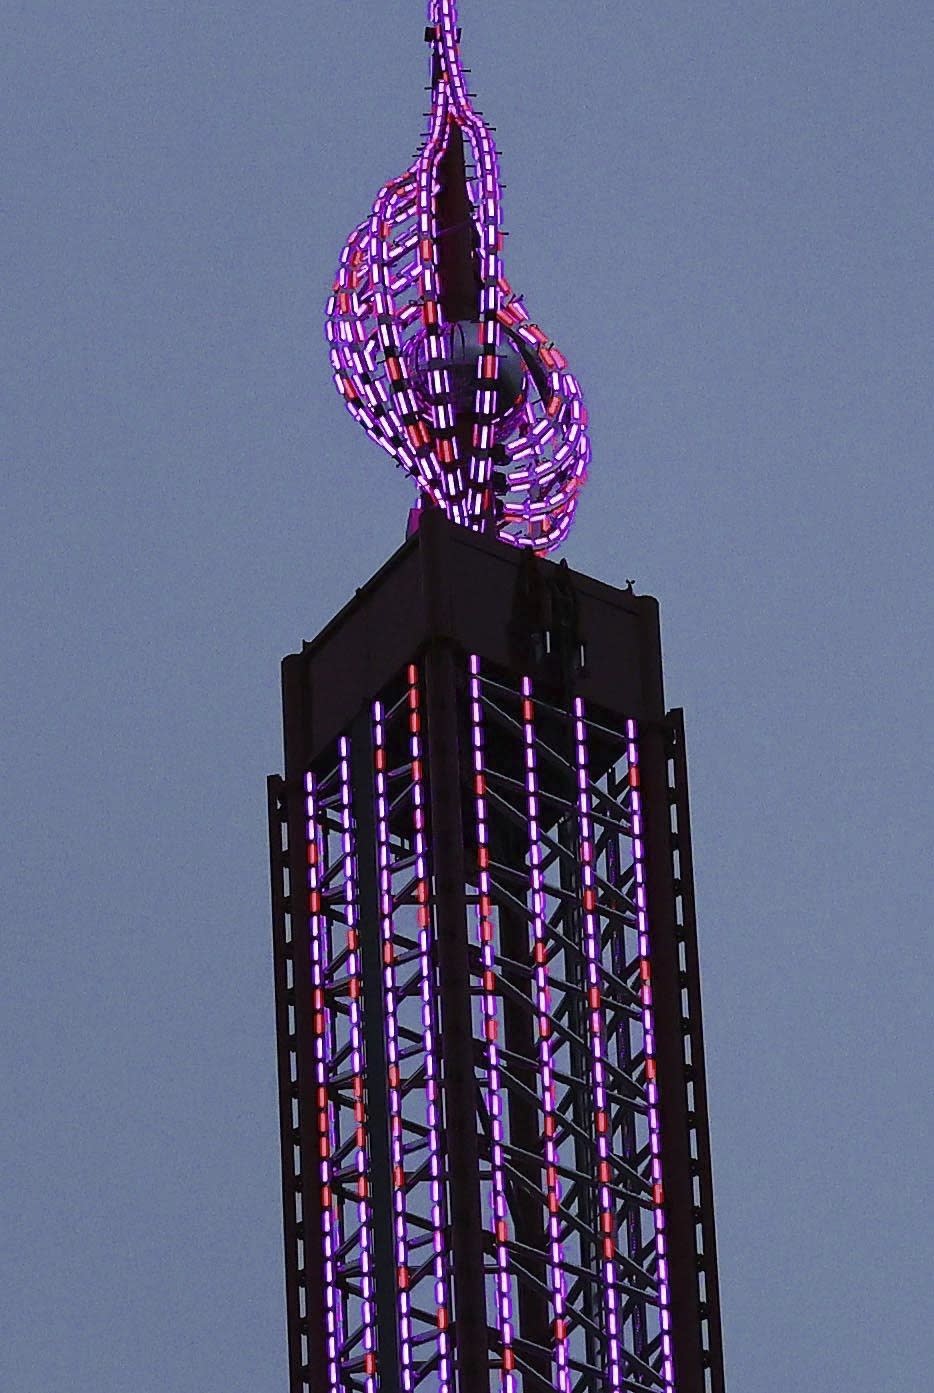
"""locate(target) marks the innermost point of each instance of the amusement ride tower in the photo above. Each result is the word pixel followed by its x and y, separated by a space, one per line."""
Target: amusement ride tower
pixel 495 1149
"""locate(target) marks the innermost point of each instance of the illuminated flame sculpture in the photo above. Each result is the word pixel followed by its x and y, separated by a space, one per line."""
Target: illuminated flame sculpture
pixel 433 351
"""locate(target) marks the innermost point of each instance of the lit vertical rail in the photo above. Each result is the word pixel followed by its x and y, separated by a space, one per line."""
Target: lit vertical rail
pixel 597 1034
pixel 393 1080
pixel 544 1014
pixel 651 1085
pixel 319 955
pixel 430 1036
pixel 494 1090
pixel 354 969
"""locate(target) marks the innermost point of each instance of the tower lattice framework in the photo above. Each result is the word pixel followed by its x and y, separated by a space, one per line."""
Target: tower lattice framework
pixel 496 1163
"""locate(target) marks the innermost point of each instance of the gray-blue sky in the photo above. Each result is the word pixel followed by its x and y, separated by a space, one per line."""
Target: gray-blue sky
pixel 719 212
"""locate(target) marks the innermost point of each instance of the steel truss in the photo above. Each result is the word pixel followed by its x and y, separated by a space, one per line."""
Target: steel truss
pixel 567 1066
pixel 567 1244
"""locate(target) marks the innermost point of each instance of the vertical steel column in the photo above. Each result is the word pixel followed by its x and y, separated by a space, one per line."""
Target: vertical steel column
pixel 666 980
pixel 457 1049
pixel 380 1176
pixel 499 1206
pixel 624 1061
pixel 308 1368
pixel 696 1072
pixel 283 938
pixel 584 1161
pixel 519 1039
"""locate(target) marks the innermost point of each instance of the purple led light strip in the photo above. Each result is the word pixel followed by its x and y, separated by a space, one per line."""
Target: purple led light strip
pixel 648 1025
pixel 394 1088
pixel 318 942
pixel 543 1009
pixel 494 1093
pixel 597 1034
pixel 348 849
pixel 430 1033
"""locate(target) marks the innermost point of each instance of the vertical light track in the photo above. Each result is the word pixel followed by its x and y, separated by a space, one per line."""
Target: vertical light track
pixel 319 955
pixel 355 1012
pixel 597 1034
pixel 393 1080
pixel 543 1012
pixel 490 1007
pixel 648 1024
pixel 430 1037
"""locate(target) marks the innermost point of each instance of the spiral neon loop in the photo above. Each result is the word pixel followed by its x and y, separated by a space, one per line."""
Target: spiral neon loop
pixel 432 350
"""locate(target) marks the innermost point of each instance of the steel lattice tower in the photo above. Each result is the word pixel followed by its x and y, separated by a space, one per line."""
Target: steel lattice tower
pixel 495 1150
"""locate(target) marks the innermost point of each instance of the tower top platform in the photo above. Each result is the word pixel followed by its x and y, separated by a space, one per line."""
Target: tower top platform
pixel 448 585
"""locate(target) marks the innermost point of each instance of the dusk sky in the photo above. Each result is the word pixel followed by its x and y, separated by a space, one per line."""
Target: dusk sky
pixel 722 214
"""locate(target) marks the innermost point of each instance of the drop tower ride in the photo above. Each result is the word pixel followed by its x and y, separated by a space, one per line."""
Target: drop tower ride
pixel 495 1146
